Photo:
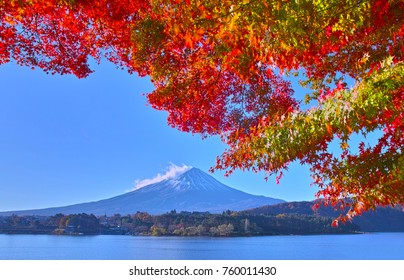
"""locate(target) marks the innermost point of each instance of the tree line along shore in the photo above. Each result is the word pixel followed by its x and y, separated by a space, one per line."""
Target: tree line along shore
pixel 228 223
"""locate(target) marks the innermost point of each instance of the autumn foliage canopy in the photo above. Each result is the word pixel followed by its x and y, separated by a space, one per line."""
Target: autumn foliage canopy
pixel 222 67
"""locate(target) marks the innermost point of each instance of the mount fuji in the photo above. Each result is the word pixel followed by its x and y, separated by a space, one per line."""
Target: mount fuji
pixel 190 190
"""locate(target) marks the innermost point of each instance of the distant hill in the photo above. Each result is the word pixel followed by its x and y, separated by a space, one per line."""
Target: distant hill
pixel 379 220
pixel 192 190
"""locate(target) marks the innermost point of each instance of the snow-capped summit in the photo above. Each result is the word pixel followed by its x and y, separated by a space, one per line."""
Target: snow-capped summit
pixel 196 179
pixel 192 179
pixel 188 190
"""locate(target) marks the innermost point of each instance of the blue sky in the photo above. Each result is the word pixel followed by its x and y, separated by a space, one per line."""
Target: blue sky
pixel 65 140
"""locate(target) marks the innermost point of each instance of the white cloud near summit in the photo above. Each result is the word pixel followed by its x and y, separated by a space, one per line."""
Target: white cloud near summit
pixel 171 172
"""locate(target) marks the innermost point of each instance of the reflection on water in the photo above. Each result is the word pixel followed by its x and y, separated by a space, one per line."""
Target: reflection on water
pixel 329 247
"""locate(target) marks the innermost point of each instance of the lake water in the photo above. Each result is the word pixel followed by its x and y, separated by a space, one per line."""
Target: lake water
pixel 374 246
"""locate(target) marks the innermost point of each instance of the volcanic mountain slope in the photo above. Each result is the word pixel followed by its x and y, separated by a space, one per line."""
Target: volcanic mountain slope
pixel 192 190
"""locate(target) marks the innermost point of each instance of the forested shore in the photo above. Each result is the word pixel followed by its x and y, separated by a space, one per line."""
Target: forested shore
pixel 174 224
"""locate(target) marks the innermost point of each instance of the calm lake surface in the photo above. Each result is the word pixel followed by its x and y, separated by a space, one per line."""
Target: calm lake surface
pixel 373 246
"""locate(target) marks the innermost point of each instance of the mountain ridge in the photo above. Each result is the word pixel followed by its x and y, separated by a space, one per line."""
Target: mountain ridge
pixel 388 218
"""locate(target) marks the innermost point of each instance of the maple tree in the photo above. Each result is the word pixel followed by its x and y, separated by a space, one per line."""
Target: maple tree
pixel 219 67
